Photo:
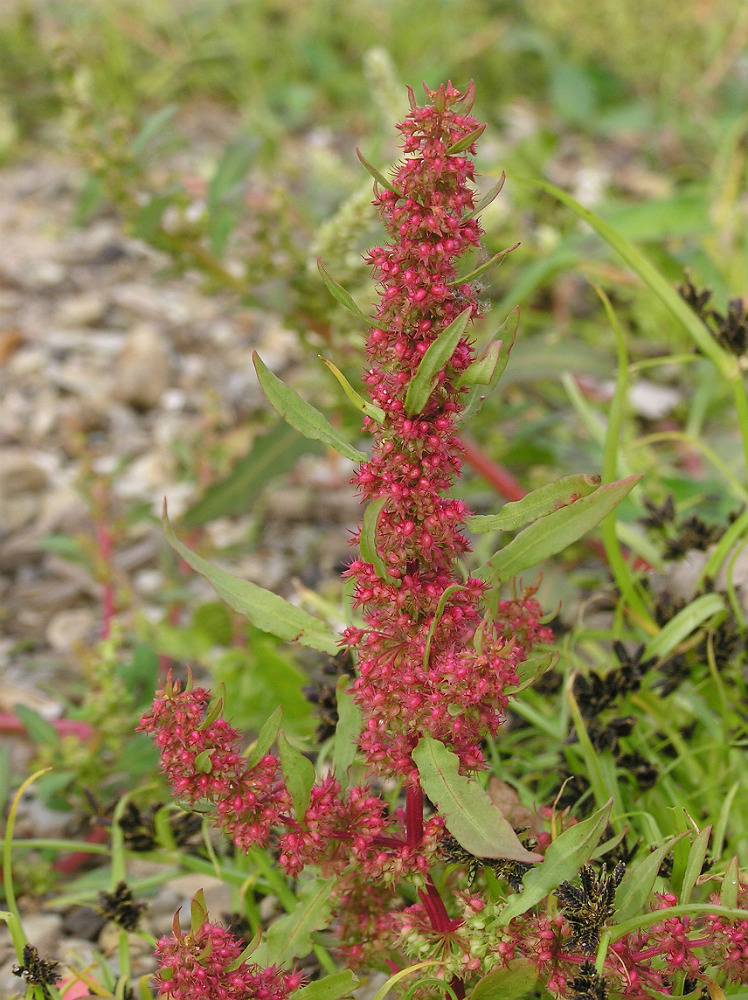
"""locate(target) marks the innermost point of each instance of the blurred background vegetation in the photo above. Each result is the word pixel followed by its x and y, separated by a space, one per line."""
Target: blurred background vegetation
pixel 223 132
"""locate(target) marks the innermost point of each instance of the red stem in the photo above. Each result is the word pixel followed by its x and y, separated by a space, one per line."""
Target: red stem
pixel 503 481
pixel 414 816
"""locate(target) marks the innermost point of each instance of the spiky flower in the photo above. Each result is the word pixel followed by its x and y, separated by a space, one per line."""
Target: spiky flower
pixel 208 963
pixel 429 660
pixel 200 757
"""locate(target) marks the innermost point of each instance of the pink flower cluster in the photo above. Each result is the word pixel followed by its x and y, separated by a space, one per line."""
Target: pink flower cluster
pixel 728 939
pixel 335 830
pixel 428 661
pixel 200 758
pixel 204 964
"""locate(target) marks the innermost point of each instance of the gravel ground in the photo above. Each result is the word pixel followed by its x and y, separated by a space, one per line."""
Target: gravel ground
pixel 108 367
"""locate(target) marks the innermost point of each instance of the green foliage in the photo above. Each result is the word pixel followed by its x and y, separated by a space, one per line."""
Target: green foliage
pixel 118 82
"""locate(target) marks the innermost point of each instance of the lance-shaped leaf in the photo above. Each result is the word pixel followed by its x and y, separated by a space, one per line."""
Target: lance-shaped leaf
pixel 730 883
pixel 368 538
pixel 368 409
pixel 497 257
pixel 473 400
pixel 433 362
pixel 264 609
pixel 378 177
pixel 347 731
pixel 467 140
pixel 340 294
pixel 554 532
pixel 683 624
pixel 247 952
pixel 510 982
pixel 695 863
pixel 298 773
pixel 291 936
pixel 333 987
pixel 266 737
pixel 302 415
pixel 481 371
pixel 563 859
pixel 468 812
pixel 486 199
pixel 537 504
pixel 639 880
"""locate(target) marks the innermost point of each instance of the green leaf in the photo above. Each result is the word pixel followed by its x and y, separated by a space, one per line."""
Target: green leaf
pixel 470 816
pixel 563 859
pixel 258 678
pixel 368 539
pixel 363 405
pixel 554 532
pixel 378 177
pixel 214 621
pixel 539 503
pixel 476 395
pixel 266 737
pixel 302 415
pixel 298 773
pixel 634 891
pixel 340 294
pixel 467 140
pixel 147 221
pixel 433 362
pixel 203 762
pixel 333 987
pixel 36 726
pixel 290 936
pixel 152 127
pixel 695 862
pixel 273 454
pixel 730 881
pixel 231 170
pixel 446 594
pixel 264 609
pixel 225 191
pixel 511 982
pixel 246 953
pixel 684 623
pixel 347 731
pixel 198 911
pixel 465 279
pixel 487 198
pixel 481 371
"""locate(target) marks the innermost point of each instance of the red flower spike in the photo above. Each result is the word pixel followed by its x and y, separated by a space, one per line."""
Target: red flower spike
pixel 452 691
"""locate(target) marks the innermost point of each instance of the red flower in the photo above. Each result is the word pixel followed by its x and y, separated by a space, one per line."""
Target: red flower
pixel 205 964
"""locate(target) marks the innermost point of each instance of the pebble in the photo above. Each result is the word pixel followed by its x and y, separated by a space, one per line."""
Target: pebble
pixel 143 368
pixel 69 628
pixel 85 309
pixel 20 472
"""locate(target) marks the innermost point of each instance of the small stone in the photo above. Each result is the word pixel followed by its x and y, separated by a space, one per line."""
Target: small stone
pixel 20 473
pixel 69 628
pixel 17 512
pixel 143 368
pixel 85 309
pixel 83 922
